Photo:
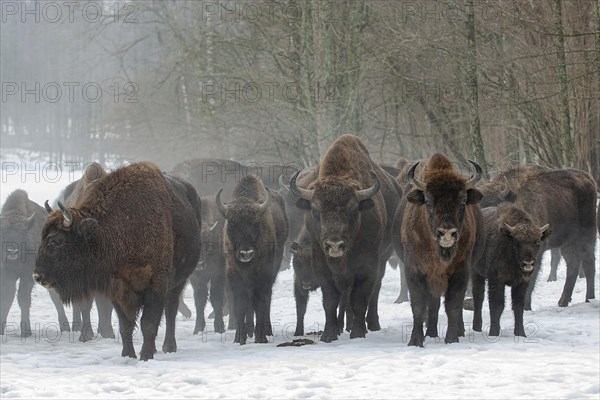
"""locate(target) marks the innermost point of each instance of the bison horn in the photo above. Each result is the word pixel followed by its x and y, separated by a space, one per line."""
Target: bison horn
pixel 505 192
pixel 66 215
pixel 267 201
pixel 544 228
pixel 471 182
pixel 222 206
pixel 30 218
pixel 510 229
pixel 284 188
pixel 414 181
pixel 370 192
pixel 212 228
pixel 48 208
pixel 298 191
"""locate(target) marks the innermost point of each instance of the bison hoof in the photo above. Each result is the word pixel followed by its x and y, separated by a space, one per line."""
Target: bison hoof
pixel 563 302
pixel 401 299
pixel 26 333
pixel 374 326
pixel 358 332
pixel 329 336
pixel 520 332
pixel 200 326
pixel 76 327
pixel 416 341
pixel 451 339
pixel 86 336
pixel 128 353
pixel 433 332
pixel 106 332
pixel 494 331
pixel 299 332
pixel 261 339
pixel 551 278
pixel 477 326
pixel 65 327
pixel 169 347
pixel 219 326
pixel 146 356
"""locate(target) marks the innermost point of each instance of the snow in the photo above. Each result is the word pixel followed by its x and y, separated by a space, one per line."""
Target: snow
pixel 559 359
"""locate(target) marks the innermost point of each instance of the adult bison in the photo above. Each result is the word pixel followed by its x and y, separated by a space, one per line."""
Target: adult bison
pixel 255 232
pixel 512 246
pixel 441 236
pixel 350 206
pixel 81 310
pixel 211 267
pixel 21 222
pixel 134 237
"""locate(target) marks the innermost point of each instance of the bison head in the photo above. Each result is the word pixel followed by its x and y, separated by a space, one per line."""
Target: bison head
pixel 335 207
pixel 303 270
pixel 244 218
pixel 526 241
pixel 445 195
pixel 66 253
pixel 16 234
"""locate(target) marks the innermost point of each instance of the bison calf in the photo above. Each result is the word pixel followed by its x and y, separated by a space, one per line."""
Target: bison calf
pixel 134 237
pixel 512 247
pixel 255 232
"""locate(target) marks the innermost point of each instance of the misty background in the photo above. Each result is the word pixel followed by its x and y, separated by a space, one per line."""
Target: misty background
pixel 499 82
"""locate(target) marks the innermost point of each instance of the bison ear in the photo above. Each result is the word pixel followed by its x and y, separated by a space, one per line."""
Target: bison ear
pixel 473 196
pixel 416 196
pixel 87 227
pixel 303 204
pixel 366 204
pixel 546 231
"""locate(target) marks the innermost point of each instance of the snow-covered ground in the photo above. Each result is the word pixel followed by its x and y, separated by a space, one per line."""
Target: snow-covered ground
pixel 559 359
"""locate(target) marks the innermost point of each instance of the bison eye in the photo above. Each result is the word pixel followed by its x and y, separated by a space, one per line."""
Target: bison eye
pixel 316 214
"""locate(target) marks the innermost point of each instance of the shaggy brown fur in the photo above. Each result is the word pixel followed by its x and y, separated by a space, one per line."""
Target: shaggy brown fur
pixel 433 270
pixel 135 238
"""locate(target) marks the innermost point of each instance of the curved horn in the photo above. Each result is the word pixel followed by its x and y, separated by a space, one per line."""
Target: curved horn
pixel 66 215
pixel 48 208
pixel 284 188
pixel 504 193
pixel 544 228
pixel 511 229
pixel 471 182
pixel 266 203
pixel 298 191
pixel 30 218
pixel 222 206
pixel 212 228
pixel 412 180
pixel 370 192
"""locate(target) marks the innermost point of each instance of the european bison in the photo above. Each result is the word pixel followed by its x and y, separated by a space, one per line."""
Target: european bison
pixel 441 236
pixel 134 237
pixel 21 223
pixel 81 310
pixel 255 232
pixel 211 267
pixel 512 246
pixel 350 210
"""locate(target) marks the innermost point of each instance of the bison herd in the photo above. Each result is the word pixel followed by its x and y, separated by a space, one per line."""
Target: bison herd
pixel 131 239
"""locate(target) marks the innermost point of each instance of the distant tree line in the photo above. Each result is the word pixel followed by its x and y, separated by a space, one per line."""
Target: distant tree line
pixel 500 82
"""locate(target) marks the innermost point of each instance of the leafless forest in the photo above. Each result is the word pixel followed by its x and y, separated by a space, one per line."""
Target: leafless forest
pixel 500 82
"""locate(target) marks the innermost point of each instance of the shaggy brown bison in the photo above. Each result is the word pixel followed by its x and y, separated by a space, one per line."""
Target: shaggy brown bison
pixel 21 222
pixel 512 246
pixel 211 267
pixel 255 232
pixel 81 310
pixel 134 237
pixel 350 207
pixel 441 236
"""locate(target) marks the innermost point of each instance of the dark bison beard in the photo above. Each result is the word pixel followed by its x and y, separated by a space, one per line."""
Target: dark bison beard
pixel 446 253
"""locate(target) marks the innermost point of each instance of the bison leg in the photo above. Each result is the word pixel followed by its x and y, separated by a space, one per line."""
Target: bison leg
pixel 262 317
pixel 455 296
pixel 217 296
pixel 250 321
pixel 518 299
pixel 241 299
pixel 24 299
pixel 87 332
pixel 331 300
pixel 301 297
pixel 151 316
pixel 200 285
pixel 170 344
pixel 63 321
pixel 344 310
pixel 418 304
pixel 433 307
pixel 573 261
pixel 359 300
pixel 76 321
pixel 105 308
pixel 478 295
pixel 532 281
pixel 372 311
pixel 496 301
pixel 588 264
pixel 8 288
pixel 126 326
pixel 554 261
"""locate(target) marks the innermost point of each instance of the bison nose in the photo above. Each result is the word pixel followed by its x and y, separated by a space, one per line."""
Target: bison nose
pixel 246 255
pixel 528 266
pixel 37 277
pixel 335 248
pixel 447 236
